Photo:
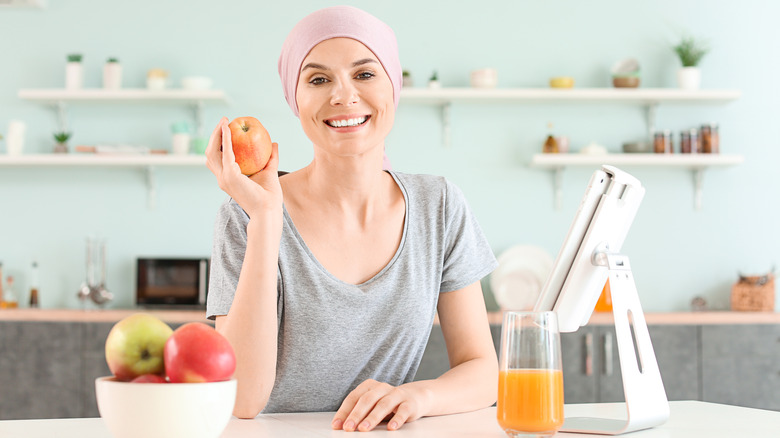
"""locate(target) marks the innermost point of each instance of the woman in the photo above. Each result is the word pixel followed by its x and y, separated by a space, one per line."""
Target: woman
pixel 326 280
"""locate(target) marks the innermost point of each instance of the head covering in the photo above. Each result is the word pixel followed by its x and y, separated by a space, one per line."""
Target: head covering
pixel 336 22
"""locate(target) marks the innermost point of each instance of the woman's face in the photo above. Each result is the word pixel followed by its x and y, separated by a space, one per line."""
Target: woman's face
pixel 345 98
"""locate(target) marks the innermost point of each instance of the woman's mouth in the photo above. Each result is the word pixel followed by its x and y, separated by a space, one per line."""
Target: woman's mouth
pixel 348 122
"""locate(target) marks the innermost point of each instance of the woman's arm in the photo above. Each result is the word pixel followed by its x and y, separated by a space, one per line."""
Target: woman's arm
pixel 251 323
pixel 471 383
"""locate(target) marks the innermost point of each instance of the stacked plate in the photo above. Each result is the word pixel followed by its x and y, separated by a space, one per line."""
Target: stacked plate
pixel 521 273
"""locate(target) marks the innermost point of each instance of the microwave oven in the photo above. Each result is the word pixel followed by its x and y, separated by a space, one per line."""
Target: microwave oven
pixel 171 282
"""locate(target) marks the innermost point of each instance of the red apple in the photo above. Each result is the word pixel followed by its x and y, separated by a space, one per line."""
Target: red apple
pixel 251 144
pixel 149 378
pixel 135 345
pixel 196 352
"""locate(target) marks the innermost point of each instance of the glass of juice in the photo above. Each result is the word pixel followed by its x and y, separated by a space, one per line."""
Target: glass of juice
pixel 530 380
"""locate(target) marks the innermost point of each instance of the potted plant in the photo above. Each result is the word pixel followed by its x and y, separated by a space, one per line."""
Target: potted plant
pixel 112 74
pixel 406 80
pixel 62 142
pixel 433 82
pixel 690 51
pixel 74 72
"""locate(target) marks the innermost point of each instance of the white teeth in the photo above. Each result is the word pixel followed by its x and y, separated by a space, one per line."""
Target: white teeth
pixel 348 122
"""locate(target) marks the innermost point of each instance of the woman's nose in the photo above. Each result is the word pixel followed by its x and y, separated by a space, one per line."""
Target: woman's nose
pixel 344 93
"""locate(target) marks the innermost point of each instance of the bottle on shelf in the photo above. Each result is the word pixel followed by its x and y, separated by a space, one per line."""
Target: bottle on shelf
pixel 10 300
pixel 34 286
pixel 551 144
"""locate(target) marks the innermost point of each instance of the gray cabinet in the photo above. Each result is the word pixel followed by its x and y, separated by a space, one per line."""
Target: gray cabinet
pixel 40 374
pixel 741 365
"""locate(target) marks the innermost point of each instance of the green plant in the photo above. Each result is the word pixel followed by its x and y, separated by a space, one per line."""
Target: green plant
pixel 62 137
pixel 406 73
pixel 691 51
pixel 74 57
pixel 113 60
pixel 434 76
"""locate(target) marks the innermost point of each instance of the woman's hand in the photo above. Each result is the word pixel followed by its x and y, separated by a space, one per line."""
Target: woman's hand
pixel 255 194
pixel 373 402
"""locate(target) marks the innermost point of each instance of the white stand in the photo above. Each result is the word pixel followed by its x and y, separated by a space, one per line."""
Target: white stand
pixel 646 402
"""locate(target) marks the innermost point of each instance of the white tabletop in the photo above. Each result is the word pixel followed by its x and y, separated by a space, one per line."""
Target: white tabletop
pixel 690 419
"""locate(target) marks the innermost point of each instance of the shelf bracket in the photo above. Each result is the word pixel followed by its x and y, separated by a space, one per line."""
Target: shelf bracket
pixel 198 109
pixel 151 188
pixel 446 118
pixel 698 174
pixel 558 187
pixel 650 116
pixel 62 115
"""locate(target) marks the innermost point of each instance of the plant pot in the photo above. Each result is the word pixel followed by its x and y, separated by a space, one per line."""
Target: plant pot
pixel 61 148
pixel 112 76
pixel 74 76
pixel 689 78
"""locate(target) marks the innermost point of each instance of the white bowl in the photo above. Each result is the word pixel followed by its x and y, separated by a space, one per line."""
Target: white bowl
pixel 196 83
pixel 164 410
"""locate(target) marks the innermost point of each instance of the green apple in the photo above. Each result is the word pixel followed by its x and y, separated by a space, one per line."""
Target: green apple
pixel 135 346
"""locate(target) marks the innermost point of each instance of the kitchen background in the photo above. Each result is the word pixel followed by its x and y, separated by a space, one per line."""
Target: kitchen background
pixel 677 252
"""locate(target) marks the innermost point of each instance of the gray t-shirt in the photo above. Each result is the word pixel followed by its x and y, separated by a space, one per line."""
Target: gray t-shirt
pixel 334 335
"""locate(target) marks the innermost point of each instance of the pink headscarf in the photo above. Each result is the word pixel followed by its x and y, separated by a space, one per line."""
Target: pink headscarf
pixel 335 22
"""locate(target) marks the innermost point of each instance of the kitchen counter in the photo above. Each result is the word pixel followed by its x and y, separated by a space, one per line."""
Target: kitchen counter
pixel 182 316
pixel 689 419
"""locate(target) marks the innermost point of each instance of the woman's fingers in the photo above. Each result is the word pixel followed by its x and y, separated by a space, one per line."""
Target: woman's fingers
pixel 228 158
pixel 213 155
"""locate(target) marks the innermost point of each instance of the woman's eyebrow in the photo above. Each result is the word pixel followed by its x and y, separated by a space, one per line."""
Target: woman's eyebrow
pixel 357 63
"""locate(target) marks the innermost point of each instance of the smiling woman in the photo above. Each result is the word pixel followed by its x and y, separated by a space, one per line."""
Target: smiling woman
pixel 326 280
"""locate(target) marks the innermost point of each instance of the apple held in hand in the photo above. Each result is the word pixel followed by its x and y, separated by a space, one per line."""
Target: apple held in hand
pixel 197 353
pixel 135 346
pixel 251 144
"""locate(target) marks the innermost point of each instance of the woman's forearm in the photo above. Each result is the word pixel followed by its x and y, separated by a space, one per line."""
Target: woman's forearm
pixel 469 386
pixel 251 323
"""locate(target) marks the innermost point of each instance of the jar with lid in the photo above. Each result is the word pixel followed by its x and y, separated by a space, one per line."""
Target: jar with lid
pixel 710 140
pixel 689 142
pixel 662 142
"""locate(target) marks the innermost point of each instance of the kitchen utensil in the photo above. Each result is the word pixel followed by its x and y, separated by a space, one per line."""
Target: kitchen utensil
pixel 99 294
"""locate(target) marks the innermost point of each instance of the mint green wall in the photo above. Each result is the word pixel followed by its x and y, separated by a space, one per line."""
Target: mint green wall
pixel 676 252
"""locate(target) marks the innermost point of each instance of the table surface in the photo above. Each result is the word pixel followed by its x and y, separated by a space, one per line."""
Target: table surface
pixel 181 316
pixel 690 419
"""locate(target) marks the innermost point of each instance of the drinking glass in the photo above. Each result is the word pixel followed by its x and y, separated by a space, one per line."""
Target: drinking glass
pixel 530 380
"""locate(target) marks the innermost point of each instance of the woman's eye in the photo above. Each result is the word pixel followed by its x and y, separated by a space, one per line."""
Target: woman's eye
pixel 365 75
pixel 317 81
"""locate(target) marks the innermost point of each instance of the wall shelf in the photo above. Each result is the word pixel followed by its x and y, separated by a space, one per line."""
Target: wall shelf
pixel 60 98
pixel 649 98
pixel 696 163
pixel 146 162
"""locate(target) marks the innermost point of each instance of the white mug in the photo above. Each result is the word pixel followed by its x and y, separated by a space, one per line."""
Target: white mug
pixel 484 78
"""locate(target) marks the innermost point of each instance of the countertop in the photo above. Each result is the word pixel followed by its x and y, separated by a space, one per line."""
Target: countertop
pixel 689 419
pixel 181 316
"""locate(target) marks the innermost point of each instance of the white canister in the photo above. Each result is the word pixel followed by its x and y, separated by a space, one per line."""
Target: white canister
pixel 689 78
pixel 74 76
pixel 484 78
pixel 181 144
pixel 15 138
pixel 112 75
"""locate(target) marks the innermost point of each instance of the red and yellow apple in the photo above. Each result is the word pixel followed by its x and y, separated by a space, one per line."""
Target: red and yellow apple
pixel 135 346
pixel 149 378
pixel 251 144
pixel 196 353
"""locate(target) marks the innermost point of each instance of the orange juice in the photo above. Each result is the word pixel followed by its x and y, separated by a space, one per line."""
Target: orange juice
pixel 530 400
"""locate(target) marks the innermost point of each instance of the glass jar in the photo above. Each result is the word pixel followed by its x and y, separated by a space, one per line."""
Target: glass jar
pixel 662 142
pixel 710 139
pixel 695 141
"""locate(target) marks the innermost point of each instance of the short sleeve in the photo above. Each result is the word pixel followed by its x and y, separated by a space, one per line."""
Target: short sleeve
pixel 467 254
pixel 227 257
